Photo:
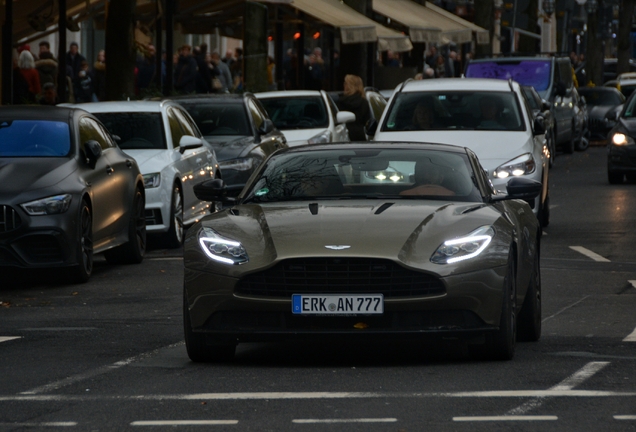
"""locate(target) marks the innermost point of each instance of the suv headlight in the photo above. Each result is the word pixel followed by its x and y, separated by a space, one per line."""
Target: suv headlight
pixel 464 248
pixel 620 139
pixel 222 249
pixel 321 138
pixel 242 164
pixel 46 206
pixel 152 180
pixel 518 166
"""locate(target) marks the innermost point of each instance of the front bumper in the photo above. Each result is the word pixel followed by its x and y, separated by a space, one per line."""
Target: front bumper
pixel 470 306
pixel 621 159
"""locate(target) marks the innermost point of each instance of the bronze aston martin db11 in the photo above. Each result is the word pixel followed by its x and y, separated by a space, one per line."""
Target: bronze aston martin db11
pixel 364 241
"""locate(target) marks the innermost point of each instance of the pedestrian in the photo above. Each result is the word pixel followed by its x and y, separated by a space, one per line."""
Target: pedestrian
pixel 26 63
pixel 271 74
pixel 355 101
pixel 316 70
pixel 84 84
pixel 20 88
pixel 99 75
pixel 49 95
pixel 185 76
pixel 225 76
pixel 74 59
pixel 146 68
pixel 440 67
pixel 47 67
pixel 431 56
pixel 237 69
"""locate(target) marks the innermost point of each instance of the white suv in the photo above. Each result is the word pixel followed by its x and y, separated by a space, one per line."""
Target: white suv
pixel 488 116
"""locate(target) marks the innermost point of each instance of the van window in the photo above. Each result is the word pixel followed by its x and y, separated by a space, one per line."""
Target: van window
pixel 535 73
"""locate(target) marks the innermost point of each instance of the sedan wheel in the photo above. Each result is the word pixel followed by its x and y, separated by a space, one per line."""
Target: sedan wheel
pixel 82 272
pixel 501 344
pixel 174 236
pixel 530 315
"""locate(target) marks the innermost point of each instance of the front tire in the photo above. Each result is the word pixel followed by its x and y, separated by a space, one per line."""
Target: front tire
pixel 174 236
pixel 529 328
pixel 82 272
pixel 500 345
pixel 196 344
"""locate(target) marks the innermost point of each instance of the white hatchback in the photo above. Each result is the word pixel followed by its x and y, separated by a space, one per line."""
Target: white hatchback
pixel 172 157
pixel 306 116
pixel 488 116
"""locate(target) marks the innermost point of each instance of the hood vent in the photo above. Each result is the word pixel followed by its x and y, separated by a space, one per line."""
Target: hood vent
pixel 383 207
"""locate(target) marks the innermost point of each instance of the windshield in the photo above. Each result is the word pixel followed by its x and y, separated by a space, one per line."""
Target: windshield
pixel 454 111
pixel 630 109
pixel 594 98
pixel 137 130
pixel 219 119
pixel 34 138
pixel 297 112
pixel 369 173
pixel 535 73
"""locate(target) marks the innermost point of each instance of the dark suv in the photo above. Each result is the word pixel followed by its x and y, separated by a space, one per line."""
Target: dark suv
pixel 239 129
pixel 552 79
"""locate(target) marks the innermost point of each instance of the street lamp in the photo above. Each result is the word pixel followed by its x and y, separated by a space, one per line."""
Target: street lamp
pixel 548 6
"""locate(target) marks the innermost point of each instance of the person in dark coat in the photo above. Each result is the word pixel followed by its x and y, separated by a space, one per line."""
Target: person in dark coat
pixel 99 76
pixel 47 68
pixel 84 84
pixel 74 59
pixel 185 76
pixel 355 100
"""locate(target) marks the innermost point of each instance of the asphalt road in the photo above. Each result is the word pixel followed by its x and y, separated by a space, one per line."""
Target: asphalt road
pixel 109 355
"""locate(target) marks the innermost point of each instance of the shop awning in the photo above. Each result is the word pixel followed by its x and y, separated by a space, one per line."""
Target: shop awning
pixel 354 26
pixel 481 34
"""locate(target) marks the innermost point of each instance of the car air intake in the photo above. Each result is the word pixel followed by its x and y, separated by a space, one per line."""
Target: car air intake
pixel 339 275
pixel 9 219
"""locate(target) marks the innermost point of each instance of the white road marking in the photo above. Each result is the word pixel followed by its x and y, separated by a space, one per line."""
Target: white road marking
pixel 505 418
pixel 183 422
pixel 8 338
pixel 632 282
pixel 55 385
pixel 588 253
pixel 359 420
pixel 631 337
pixel 567 384
pixel 44 424
pixel 625 417
pixel 564 309
pixel 318 395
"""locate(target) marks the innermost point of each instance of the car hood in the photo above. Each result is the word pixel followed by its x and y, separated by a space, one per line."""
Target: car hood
pixel 20 174
pixel 492 148
pixel 405 230
pixel 300 136
pixel 598 111
pixel 150 161
pixel 628 125
pixel 230 147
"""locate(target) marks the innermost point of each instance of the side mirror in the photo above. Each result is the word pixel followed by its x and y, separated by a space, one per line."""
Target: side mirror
pixel 188 142
pixel 266 127
pixel 520 188
pixel 345 117
pixel 116 138
pixel 371 127
pixel 538 127
pixel 93 151
pixel 545 105
pixel 212 190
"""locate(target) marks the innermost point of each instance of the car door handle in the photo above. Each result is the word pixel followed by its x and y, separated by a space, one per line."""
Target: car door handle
pixel 129 163
pixel 109 170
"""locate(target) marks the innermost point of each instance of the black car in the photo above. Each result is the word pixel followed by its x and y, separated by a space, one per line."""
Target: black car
pixel 66 192
pixel 541 108
pixel 603 103
pixel 239 129
pixel 621 157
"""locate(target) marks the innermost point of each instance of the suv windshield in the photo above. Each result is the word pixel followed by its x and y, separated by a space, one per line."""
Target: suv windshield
pixel 137 130
pixel 454 110
pixel 297 112
pixel 34 138
pixel 535 73
pixel 219 119
pixel 372 173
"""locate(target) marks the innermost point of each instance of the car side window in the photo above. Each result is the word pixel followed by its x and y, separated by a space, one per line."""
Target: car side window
pixel 257 117
pixel 334 109
pixel 185 123
pixel 175 128
pixel 91 130
pixel 377 104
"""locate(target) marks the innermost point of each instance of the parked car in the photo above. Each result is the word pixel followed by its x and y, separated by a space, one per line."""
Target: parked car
pixel 312 249
pixel 541 108
pixel 625 86
pixel 239 129
pixel 552 79
pixel 621 155
pixel 67 192
pixel 609 71
pixel 306 116
pixel 486 115
pixel 603 103
pixel 172 156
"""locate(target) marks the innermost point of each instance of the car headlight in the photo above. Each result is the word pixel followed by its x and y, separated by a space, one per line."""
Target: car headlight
pixel 152 180
pixel 321 138
pixel 242 164
pixel 222 249
pixel 47 206
pixel 621 139
pixel 460 249
pixel 519 166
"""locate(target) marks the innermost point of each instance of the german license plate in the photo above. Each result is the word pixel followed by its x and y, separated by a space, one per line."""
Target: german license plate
pixel 337 304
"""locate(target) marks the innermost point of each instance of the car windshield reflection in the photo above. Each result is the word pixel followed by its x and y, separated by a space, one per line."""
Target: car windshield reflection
pixel 137 130
pixel 297 112
pixel 34 138
pixel 368 174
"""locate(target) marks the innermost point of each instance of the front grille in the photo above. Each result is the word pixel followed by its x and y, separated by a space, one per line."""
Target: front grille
pixel 339 275
pixel 153 217
pixel 596 124
pixel 9 219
